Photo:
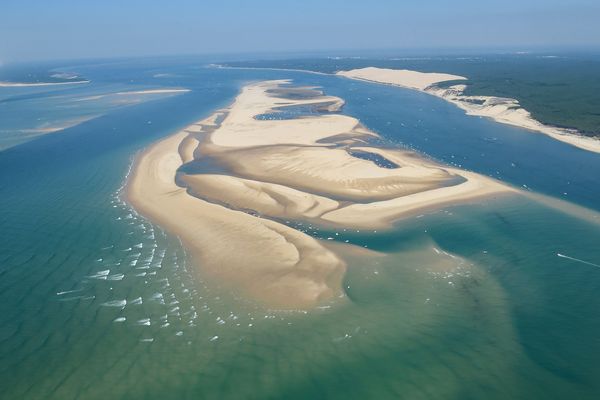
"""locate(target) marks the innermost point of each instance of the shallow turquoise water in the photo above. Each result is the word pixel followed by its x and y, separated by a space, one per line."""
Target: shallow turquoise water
pixel 470 302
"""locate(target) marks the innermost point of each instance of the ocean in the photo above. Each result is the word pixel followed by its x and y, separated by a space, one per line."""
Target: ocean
pixel 492 299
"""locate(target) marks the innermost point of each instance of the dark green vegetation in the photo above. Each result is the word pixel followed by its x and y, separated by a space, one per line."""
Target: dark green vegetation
pixel 560 90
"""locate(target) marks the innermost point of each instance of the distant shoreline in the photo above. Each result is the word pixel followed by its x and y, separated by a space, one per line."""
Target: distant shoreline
pixel 502 110
pixel 28 84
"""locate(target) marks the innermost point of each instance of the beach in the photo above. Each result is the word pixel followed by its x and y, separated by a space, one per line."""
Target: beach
pixel 503 110
pixel 33 84
pixel 226 184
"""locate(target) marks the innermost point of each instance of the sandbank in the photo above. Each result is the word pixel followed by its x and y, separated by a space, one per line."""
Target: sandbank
pixel 229 186
pixel 27 84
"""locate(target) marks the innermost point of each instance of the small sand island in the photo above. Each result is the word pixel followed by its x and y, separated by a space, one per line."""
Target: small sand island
pixel 33 84
pixel 230 185
pixel 500 109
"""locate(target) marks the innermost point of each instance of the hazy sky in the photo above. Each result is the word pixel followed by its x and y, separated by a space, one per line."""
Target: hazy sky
pixel 50 29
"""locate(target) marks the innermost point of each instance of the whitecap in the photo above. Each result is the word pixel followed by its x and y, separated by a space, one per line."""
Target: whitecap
pixel 115 303
pixel 68 291
pixel 100 274
pixel 137 301
pixel 120 319
pixel 158 297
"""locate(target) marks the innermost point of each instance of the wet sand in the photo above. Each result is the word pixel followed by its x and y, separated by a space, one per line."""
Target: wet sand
pixel 276 170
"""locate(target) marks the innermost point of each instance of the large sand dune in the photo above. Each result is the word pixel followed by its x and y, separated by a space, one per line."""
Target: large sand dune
pixel 500 109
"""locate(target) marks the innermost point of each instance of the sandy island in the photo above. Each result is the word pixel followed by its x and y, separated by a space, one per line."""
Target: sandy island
pixel 31 84
pixel 500 109
pixel 227 185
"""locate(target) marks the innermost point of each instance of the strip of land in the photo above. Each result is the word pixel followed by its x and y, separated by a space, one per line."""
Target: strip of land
pixel 500 109
pixel 28 84
pixel 234 185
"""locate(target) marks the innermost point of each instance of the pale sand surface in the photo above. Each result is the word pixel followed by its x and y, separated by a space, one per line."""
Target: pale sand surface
pixel 134 93
pixel 284 170
pixel 268 261
pixel 400 77
pixel 154 91
pixel 27 84
pixel 503 110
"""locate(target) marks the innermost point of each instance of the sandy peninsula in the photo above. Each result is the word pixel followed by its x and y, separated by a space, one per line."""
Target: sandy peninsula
pixel 33 84
pixel 500 109
pixel 228 184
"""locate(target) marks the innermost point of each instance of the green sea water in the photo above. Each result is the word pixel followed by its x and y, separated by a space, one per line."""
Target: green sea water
pixel 490 299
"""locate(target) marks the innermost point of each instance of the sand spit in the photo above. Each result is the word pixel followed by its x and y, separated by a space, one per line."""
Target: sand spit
pixel 154 91
pixel 226 185
pixel 28 84
pixel 502 110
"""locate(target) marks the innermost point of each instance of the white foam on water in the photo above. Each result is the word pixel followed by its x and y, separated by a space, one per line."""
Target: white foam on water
pixel 120 319
pixel 100 274
pixel 578 260
pixel 136 301
pixel 150 340
pixel 115 303
pixel 144 322
pixel 158 297
pixel 68 291
pixel 212 339
pixel 115 277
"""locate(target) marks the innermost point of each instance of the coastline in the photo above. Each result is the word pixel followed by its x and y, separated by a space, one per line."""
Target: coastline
pixel 226 184
pixel 502 110
pixel 26 84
